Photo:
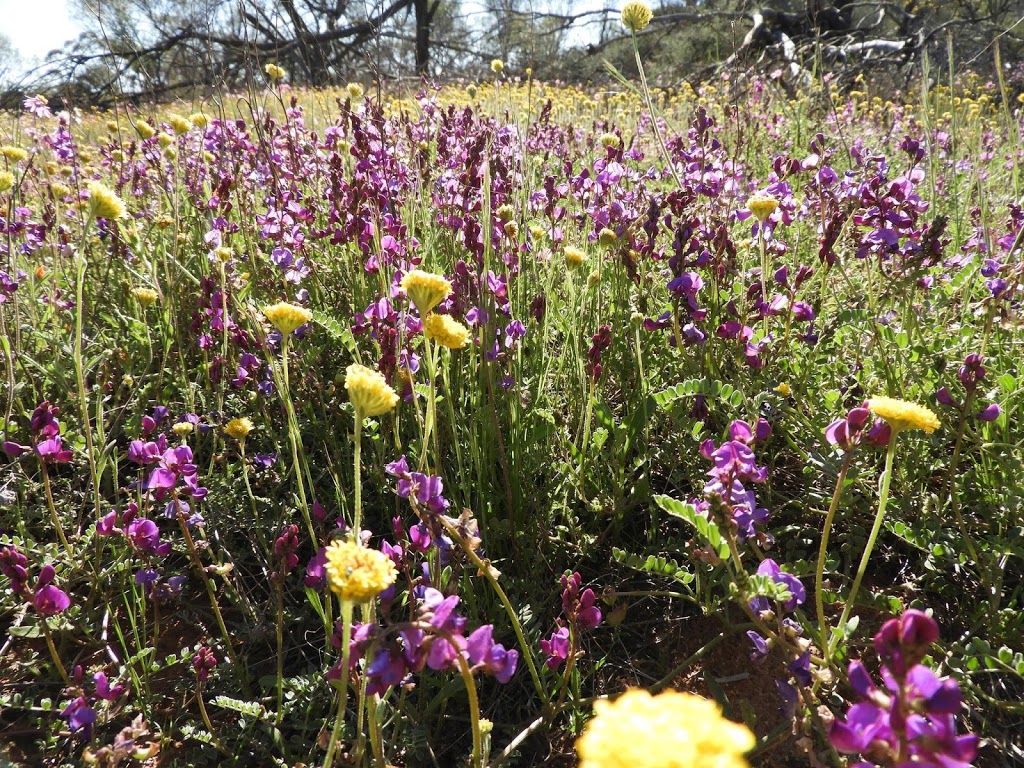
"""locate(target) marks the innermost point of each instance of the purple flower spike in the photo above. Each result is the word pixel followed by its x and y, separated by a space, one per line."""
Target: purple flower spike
pixel 990 413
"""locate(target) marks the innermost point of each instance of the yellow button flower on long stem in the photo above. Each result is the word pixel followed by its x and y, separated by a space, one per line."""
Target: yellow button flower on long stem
pixel 357 574
pixel 425 289
pixel 287 317
pixel 902 415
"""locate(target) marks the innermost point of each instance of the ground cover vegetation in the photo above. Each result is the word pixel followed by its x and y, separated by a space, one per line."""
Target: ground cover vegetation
pixel 513 423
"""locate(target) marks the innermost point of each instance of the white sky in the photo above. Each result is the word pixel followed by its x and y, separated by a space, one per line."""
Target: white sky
pixel 36 27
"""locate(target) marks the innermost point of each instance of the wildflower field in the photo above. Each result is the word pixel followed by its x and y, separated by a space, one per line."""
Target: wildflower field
pixel 514 424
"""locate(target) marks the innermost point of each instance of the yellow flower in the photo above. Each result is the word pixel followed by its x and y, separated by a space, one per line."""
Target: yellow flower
pixel 355 91
pixel 224 253
pixel 506 212
pixel 670 730
pixel 369 391
pixel 199 120
pixel 239 428
pixel 609 140
pixel 274 72
pixel 165 140
pixel 145 130
pixel 902 415
pixel 636 16
pixel 60 190
pixel 426 290
pixel 357 574
pixel 183 428
pixel 784 389
pixel 287 317
pixel 14 154
pixel 607 237
pixel 179 124
pixel 497 66
pixel 104 203
pixel 448 332
pixel 574 257
pixel 145 296
pixel 762 206
pixel 6 181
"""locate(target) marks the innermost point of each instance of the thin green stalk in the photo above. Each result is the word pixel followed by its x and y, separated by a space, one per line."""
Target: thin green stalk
pixel 53 511
pixel 883 498
pixel 339 720
pixel 819 600
pixel 357 474
pixel 53 651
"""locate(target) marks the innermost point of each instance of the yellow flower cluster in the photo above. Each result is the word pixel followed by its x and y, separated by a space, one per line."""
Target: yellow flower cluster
pixel 574 257
pixel 357 574
pixel 369 391
pixel 179 124
pixel 145 296
pixel 13 154
pixel 6 181
pixel 287 317
pixel 762 206
pixel 670 730
pixel 274 72
pixel 902 415
pixel 239 428
pixel 426 290
pixel 447 331
pixel 497 66
pixel 355 91
pixel 636 16
pixel 145 130
pixel 199 120
pixel 104 204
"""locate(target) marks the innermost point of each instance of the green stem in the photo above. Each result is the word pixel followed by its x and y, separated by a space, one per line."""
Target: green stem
pixel 357 474
pixel 53 512
pixel 819 600
pixel 280 650
pixel 339 720
pixel 53 651
pixel 883 498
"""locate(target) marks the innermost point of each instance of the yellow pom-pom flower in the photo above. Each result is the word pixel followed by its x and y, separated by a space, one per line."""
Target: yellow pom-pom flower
pixel 357 574
pixel 762 206
pixel 6 181
pixel 145 130
pixel 239 428
pixel 670 730
pixel 274 72
pixel 287 317
pixel 145 296
pixel 447 331
pixel 199 120
pixel 103 203
pixel 574 257
pixel 355 91
pixel 636 16
pixel 607 237
pixel 426 290
pixel 179 124
pixel 497 66
pixel 369 391
pixel 901 415
pixel 14 154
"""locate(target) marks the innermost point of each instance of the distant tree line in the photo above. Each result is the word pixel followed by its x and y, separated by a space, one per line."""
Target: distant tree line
pixel 159 49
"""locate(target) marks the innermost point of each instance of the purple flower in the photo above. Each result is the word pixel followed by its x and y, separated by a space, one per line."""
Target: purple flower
pixel 48 599
pixel 990 412
pixel 80 716
pixel 557 647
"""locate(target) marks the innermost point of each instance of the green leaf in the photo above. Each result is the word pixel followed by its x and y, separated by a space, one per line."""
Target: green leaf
pixel 707 529
pixel 709 388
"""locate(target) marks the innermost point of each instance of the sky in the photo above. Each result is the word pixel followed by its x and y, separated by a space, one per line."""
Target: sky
pixel 35 27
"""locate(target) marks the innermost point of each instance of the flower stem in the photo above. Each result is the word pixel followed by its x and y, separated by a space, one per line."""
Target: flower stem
pixel 53 511
pixel 819 600
pixel 357 519
pixel 883 498
pixel 280 650
pixel 53 651
pixel 339 720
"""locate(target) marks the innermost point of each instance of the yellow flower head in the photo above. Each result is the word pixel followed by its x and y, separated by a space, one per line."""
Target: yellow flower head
pixel 59 190
pixel 762 206
pixel 426 290
pixel 355 91
pixel 145 130
pixel 14 154
pixel 287 317
pixel 607 237
pixel 448 332
pixel 497 66
pixel 636 16
pixel 6 181
pixel 179 124
pixel 274 72
pixel 104 203
pixel 224 253
pixel 165 140
pixel 784 389
pixel 574 257
pixel 506 212
pixel 145 296
pixel 239 428
pixel 609 140
pixel 902 415
pixel 369 391
pixel 199 120
pixel 670 730
pixel 183 429
pixel 357 574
